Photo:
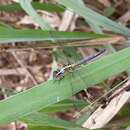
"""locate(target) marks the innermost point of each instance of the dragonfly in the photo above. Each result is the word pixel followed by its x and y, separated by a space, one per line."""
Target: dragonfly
pixel 60 72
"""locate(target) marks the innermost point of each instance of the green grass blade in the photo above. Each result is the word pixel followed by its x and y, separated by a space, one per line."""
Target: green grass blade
pixel 65 105
pixel 26 5
pixel 93 17
pixel 41 119
pixel 128 128
pixel 33 127
pixel 12 35
pixel 50 92
pixel 36 5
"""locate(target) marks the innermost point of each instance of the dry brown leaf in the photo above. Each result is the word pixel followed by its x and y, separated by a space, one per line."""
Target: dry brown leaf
pixel 103 115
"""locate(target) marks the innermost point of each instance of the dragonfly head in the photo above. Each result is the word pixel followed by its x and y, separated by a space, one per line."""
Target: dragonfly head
pixel 58 74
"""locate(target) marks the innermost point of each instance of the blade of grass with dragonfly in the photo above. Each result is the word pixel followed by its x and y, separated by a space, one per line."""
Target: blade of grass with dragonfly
pixel 50 92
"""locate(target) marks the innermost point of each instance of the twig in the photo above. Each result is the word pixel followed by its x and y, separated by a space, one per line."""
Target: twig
pixel 17 71
pixel 101 116
pixel 22 64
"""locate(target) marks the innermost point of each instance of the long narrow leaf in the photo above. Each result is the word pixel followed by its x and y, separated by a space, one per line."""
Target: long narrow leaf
pixel 26 5
pixel 43 6
pixel 94 17
pixel 12 35
pixel 53 91
pixel 40 119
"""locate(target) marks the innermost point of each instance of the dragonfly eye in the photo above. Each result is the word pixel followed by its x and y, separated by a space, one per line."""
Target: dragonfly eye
pixel 58 74
pixel 54 74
